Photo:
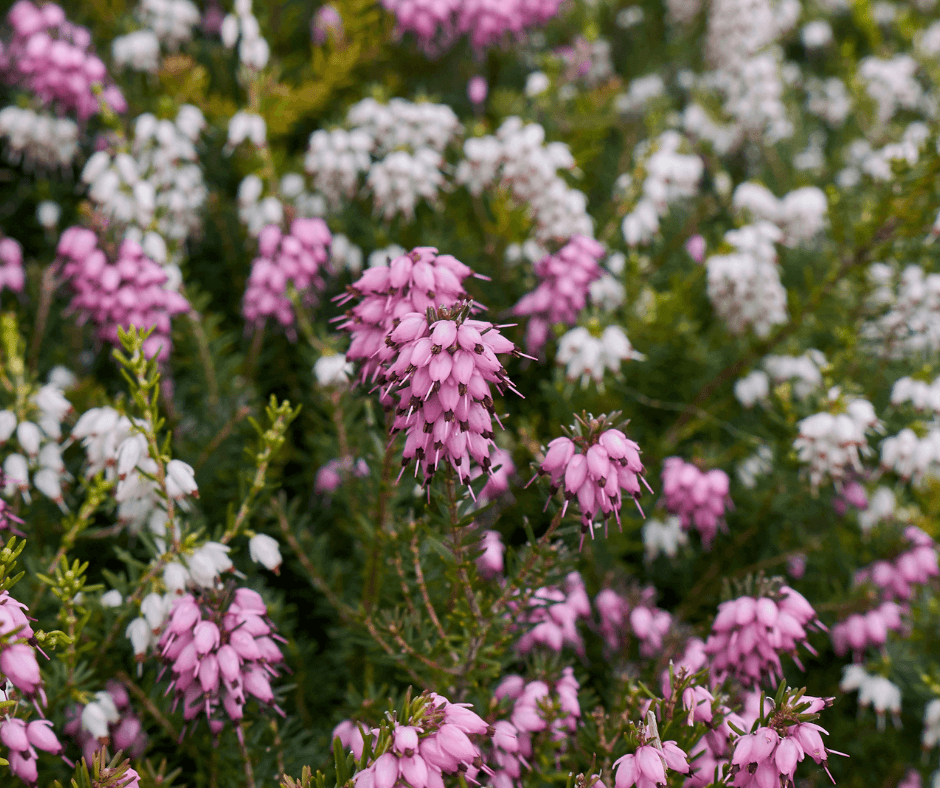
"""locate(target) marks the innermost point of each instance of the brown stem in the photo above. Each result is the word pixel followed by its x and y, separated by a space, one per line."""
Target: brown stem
pixel 148 704
pixel 202 342
pixel 373 570
pixel 419 575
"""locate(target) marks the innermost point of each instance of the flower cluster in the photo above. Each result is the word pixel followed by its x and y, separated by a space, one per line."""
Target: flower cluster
pixel 24 739
pixel 242 27
pixel 555 612
pixel 331 475
pixel 744 286
pixel 594 468
pixel 108 720
pixel 517 159
pixel 647 767
pixel 897 578
pixel 52 58
pixel 923 396
pixel 11 265
pixel 831 443
pixel 17 656
pixel 434 740
pixel 399 144
pixel 436 24
pixel 875 691
pixel 669 177
pixel 127 292
pixel 294 259
pixel 910 323
pixel 37 433
pixel 221 650
pixel 536 707
pixel 749 634
pixel 412 282
pixel 861 631
pixel 444 364
pixel 698 497
pixel 38 139
pixel 800 215
pixel 490 562
pixel 564 281
pixel 620 616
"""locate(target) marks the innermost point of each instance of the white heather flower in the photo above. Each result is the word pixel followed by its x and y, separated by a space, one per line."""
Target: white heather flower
pixel 175 577
pixel 911 457
pixel 246 126
pixel 401 179
pixel 207 563
pixel 816 34
pixel 752 388
pixel 336 159
pixel 7 425
pixel 111 598
pixel 881 505
pixel 536 83
pixel 345 254
pixel 139 51
pixel 607 292
pixel 588 356
pixel 172 21
pixel 16 471
pixel 758 464
pixel 48 213
pixel 663 537
pixel 154 609
pixel 891 84
pixel 931 735
pixel 875 691
pixel 264 550
pixel 38 139
pixel 97 714
pixel 49 483
pixel 744 286
pixel 180 479
pixel 804 372
pixel 333 370
pixel 831 443
pixel 140 636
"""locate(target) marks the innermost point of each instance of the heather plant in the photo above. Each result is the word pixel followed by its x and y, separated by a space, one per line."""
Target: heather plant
pixel 367 366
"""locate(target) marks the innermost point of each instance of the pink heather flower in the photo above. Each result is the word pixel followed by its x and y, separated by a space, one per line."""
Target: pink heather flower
pixel 497 482
pixel 699 498
pixel 620 618
pixel 477 89
pixel 490 563
pixel 769 756
pixel 131 779
pixel 646 767
pixel 695 248
pixel 537 707
pixel 861 631
pixel 220 657
pixel 435 741
pixel 897 578
pixel 443 367
pixel 350 736
pixel 326 22
pixel 749 634
pixel 128 292
pixel 18 658
pixel 11 265
pixel 53 58
pixel 414 282
pixel 331 475
pixel 555 614
pixel 23 740
pixel 565 279
pixel 124 731
pixel 296 259
pixel 438 23
pixel 594 469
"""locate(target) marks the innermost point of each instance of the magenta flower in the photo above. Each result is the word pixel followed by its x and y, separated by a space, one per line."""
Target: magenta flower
pixel 294 259
pixel 12 275
pixel 555 614
pixel 23 740
pixel 131 291
pixel 698 497
pixel 53 58
pixel 565 278
pixel 619 618
pixel 646 767
pixel 861 631
pixel 220 656
pixel 444 364
pixel 417 281
pixel 749 634
pixel 594 469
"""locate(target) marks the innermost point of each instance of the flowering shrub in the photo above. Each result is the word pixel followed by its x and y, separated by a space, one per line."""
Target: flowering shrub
pixel 434 393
